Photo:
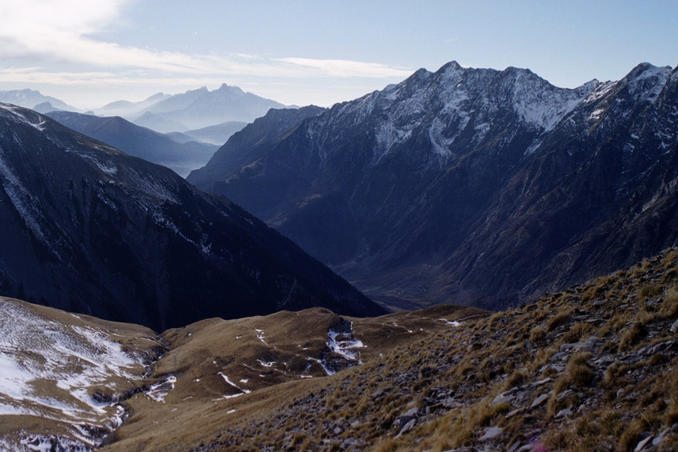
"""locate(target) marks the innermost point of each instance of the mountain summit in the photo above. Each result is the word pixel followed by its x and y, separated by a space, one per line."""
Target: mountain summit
pixel 470 185
pixel 33 99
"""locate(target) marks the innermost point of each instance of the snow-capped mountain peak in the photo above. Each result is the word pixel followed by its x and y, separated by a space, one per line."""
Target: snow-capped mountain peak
pixel 646 81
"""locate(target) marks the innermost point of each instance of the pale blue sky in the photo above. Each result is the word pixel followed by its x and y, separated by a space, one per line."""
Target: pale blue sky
pixel 318 52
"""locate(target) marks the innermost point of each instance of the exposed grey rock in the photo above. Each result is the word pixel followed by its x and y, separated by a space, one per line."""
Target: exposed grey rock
pixel 588 345
pixel 411 412
pixel 407 427
pixel 539 400
pixel 564 412
pixel 642 444
pixel 541 382
pixel 491 433
pixel 499 399
pixel 377 393
pixel 660 438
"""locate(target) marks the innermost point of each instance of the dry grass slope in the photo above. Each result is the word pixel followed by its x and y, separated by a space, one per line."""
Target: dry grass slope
pixel 592 368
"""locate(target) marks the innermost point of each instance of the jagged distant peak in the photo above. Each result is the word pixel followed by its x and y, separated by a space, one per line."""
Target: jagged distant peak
pixel 155 96
pixel 226 87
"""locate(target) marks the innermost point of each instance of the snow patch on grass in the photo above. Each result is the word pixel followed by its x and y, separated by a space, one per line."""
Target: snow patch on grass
pixel 158 391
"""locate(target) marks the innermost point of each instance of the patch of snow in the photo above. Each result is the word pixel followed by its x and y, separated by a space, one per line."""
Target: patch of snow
pixel 532 148
pixel 544 110
pixel 20 117
pixel 44 443
pixel 595 115
pixel 37 351
pixel 647 85
pixel 260 336
pixel 321 363
pixel 344 345
pixel 158 391
pixel 227 380
pixel 388 135
pixel 266 363
pixel 441 145
pixel 451 323
pixel 601 91
pixel 22 199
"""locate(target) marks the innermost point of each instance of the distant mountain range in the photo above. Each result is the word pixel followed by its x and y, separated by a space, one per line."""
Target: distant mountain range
pixel 138 141
pixel 34 100
pixel 194 109
pixel 212 116
pixel 468 185
pixel 126 108
pixel 88 228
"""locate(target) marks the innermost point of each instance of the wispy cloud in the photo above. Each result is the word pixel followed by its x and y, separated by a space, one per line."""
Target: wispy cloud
pixel 61 31
pixel 346 68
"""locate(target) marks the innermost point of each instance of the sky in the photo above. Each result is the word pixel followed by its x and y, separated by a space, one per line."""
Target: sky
pixel 88 53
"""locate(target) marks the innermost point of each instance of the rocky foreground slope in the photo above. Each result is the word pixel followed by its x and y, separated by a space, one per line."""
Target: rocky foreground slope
pixel 594 367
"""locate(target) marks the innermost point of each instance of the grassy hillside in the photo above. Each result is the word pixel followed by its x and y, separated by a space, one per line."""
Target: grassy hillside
pixel 592 368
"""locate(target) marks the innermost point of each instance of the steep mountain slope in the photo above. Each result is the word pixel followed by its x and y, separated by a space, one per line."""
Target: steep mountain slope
pixel 251 143
pixel 139 141
pixel 87 228
pixel 30 98
pixel 200 108
pixel 470 185
pixel 594 367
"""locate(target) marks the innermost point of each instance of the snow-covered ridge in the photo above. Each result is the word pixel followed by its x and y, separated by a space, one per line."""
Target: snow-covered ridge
pixel 457 101
pixel 543 105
